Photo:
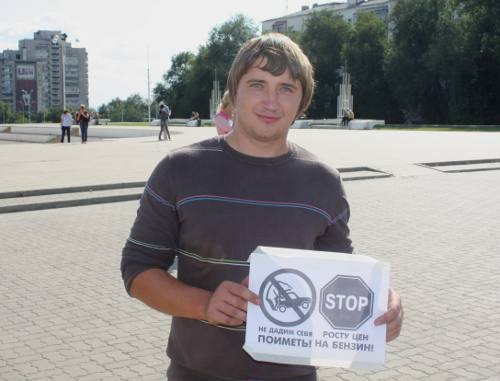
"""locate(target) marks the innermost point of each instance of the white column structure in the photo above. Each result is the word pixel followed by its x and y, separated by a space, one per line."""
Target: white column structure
pixel 345 99
pixel 215 97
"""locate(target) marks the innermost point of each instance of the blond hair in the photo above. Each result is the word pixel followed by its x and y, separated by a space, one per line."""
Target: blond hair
pixel 279 53
pixel 225 101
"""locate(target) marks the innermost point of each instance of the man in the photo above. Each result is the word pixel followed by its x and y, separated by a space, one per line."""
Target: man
pixel 164 115
pixel 211 204
pixel 82 118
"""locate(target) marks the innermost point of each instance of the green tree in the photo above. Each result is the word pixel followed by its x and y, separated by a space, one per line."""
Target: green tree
pixel 116 110
pixel 479 80
pixel 365 54
pixel 187 85
pixel 53 114
pixel 103 111
pixel 6 114
pixel 323 38
pixel 173 87
pixel 136 109
pixel 132 109
pixel 414 81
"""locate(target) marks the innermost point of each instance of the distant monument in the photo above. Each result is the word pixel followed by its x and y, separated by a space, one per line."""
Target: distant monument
pixel 215 97
pixel 26 95
pixel 345 99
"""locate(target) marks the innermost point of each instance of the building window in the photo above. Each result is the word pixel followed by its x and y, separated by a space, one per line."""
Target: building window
pixel 279 26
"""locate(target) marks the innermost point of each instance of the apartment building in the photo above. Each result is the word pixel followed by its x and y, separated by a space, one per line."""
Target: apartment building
pixel 45 72
pixel 349 10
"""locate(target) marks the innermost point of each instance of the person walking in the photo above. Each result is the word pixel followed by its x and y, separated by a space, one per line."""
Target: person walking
pixel 212 203
pixel 82 118
pixel 66 122
pixel 164 116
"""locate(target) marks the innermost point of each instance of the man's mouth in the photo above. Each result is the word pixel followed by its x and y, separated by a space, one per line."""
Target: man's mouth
pixel 267 118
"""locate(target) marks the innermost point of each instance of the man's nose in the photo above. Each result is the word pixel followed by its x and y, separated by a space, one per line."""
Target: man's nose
pixel 271 99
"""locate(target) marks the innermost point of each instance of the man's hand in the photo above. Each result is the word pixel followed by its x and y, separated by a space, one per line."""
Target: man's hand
pixel 228 303
pixel 393 316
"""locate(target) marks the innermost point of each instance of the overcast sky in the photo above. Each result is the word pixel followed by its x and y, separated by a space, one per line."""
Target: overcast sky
pixel 117 34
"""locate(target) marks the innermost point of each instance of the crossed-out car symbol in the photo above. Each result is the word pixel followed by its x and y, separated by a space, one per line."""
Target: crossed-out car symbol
pixel 280 302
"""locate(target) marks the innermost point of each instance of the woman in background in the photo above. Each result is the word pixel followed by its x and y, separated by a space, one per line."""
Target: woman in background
pixel 223 119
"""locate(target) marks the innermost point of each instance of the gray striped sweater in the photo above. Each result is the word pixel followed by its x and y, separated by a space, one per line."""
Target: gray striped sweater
pixel 211 206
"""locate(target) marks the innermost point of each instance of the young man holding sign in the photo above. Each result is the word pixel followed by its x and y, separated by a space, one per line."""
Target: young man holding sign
pixel 212 203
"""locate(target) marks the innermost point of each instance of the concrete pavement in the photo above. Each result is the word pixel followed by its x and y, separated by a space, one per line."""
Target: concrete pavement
pixel 65 315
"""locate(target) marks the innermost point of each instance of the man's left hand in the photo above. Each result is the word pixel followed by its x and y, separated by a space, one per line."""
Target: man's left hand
pixel 393 317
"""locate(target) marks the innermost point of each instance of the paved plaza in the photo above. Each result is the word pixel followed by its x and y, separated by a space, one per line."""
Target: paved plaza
pixel 65 315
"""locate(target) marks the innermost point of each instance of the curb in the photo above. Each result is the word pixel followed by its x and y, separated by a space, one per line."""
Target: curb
pixel 69 203
pixel 83 188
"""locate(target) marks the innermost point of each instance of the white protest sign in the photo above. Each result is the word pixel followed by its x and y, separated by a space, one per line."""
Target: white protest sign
pixel 317 308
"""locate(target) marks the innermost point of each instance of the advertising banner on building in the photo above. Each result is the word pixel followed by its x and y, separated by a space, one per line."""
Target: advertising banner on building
pixel 317 308
pixel 26 88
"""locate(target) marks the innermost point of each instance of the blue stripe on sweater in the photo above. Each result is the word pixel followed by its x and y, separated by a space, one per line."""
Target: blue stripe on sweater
pixel 234 200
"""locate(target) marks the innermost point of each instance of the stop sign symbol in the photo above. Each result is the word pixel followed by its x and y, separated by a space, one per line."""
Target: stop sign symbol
pixel 346 302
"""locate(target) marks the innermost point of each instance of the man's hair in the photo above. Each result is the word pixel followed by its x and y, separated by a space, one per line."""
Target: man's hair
pixel 279 53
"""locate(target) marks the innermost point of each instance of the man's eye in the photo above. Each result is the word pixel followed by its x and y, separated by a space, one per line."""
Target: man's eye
pixel 287 89
pixel 256 85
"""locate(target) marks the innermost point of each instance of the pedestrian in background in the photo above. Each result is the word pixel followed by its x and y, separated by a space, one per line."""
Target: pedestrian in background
pixel 164 115
pixel 195 119
pixel 82 118
pixel 66 122
pixel 224 117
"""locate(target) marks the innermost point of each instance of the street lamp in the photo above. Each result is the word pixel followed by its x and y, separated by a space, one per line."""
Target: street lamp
pixel 149 94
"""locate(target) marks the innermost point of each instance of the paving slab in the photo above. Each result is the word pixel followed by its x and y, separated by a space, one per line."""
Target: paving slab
pixel 65 314
pixel 133 159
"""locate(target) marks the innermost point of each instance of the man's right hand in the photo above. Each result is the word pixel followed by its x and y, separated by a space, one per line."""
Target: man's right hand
pixel 228 304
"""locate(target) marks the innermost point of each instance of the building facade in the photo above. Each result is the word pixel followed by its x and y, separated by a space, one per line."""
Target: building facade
pixel 349 11
pixel 46 72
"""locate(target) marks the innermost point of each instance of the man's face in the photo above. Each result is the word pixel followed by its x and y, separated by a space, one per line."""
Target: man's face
pixel 266 105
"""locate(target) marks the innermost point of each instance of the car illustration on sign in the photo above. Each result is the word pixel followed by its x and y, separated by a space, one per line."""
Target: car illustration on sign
pixel 280 300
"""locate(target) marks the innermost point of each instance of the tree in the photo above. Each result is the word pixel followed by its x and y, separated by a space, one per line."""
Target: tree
pixel 188 83
pixel 103 111
pixel 136 109
pixel 6 114
pixel 365 54
pixel 172 90
pixel 116 110
pixel 479 81
pixel 322 40
pixel 415 83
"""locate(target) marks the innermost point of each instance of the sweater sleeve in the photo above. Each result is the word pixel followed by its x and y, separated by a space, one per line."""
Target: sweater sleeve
pixel 336 236
pixel 154 235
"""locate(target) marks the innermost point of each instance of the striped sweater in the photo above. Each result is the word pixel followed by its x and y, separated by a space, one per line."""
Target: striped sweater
pixel 211 206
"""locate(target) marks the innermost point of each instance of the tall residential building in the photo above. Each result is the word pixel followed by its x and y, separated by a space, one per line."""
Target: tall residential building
pixel 46 72
pixel 349 11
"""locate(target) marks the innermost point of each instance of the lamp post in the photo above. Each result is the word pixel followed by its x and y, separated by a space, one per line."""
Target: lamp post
pixel 149 94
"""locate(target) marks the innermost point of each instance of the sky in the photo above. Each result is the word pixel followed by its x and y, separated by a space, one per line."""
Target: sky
pixel 119 34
